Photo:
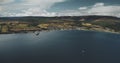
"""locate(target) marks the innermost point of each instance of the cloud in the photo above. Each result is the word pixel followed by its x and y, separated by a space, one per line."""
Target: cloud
pixel 39 8
pixel 37 2
pixel 100 8
pixel 28 7
pixel 1 8
pixel 98 4
pixel 33 12
pixel 6 1
pixel 82 8
pixel 96 9
pixel 43 4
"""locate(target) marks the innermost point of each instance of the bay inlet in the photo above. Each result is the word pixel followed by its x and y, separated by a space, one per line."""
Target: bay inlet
pixel 68 46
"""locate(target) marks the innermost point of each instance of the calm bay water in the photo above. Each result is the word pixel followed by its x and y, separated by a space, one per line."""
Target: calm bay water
pixel 60 47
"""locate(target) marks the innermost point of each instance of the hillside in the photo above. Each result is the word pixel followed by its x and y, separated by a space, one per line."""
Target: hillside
pixel 33 23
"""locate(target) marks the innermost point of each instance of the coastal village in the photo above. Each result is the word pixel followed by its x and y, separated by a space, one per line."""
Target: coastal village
pixel 18 27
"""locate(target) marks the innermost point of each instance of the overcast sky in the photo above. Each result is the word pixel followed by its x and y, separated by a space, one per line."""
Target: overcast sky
pixel 59 7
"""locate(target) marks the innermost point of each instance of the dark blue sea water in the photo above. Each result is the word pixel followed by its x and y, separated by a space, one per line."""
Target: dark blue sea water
pixel 60 47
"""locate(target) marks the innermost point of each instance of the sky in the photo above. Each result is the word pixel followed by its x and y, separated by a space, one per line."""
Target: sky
pixel 12 8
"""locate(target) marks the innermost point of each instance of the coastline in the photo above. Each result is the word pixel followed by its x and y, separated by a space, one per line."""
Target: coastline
pixel 79 29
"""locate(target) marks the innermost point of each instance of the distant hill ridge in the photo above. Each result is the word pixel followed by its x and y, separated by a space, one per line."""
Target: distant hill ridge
pixel 74 18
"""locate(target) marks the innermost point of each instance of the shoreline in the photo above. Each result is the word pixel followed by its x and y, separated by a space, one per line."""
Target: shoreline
pixel 59 30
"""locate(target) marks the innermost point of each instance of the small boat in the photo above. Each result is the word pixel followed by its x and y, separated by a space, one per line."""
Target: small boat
pixel 37 33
